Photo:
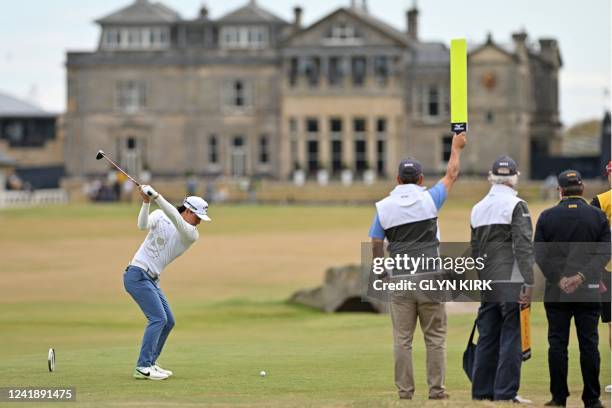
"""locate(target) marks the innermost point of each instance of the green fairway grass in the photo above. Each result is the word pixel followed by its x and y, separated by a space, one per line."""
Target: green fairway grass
pixel 61 279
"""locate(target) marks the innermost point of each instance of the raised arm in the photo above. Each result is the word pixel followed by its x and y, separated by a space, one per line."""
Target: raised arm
pixel 454 162
pixel 143 215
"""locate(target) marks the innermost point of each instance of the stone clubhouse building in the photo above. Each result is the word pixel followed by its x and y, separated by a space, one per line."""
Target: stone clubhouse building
pixel 250 94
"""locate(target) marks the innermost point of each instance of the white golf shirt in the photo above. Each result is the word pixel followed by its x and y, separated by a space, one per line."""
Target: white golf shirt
pixel 169 236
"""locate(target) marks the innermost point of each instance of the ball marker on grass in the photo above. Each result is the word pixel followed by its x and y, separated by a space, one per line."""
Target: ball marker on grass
pixel 51 360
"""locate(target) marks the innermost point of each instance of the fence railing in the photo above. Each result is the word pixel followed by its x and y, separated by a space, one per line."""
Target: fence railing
pixel 31 198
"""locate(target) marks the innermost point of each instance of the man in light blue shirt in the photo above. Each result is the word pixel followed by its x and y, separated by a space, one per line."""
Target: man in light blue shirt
pixel 408 219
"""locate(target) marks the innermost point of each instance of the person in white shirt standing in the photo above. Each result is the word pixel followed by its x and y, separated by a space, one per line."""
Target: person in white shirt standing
pixel 171 232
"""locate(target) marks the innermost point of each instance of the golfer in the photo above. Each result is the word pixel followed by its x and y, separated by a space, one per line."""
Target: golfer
pixel 171 232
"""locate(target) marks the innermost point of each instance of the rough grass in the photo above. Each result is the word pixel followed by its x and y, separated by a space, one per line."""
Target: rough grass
pixel 60 274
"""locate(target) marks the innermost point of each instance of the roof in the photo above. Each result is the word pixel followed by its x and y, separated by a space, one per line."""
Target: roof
pixel 377 23
pixel 366 18
pixel 141 12
pixel 251 13
pixel 13 107
pixel 430 53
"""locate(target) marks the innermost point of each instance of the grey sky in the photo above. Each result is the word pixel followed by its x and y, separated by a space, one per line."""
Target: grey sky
pixel 35 34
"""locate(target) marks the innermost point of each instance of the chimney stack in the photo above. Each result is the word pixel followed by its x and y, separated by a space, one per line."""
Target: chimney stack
pixel 520 45
pixel 203 11
pixel 412 21
pixel 549 51
pixel 297 18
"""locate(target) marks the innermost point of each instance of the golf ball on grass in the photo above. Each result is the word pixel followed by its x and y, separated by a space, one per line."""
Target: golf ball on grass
pixel 263 373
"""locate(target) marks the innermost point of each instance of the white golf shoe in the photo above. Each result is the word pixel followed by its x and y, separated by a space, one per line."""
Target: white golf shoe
pixel 608 388
pixel 161 370
pixel 520 400
pixel 149 373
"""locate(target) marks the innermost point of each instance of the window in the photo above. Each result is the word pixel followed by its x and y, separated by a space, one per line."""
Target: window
pixel 430 101
pixel 213 149
pixel 241 37
pixel 335 125
pixel 264 154
pixel 447 142
pixel 22 132
pixel 433 103
pixel 112 38
pixel 312 68
pixel 134 38
pixel 490 118
pixel 381 69
pixel 238 141
pixel 14 132
pixel 336 156
pixel 238 94
pixel 312 150
pixel 360 156
pixel 359 125
pixel 131 96
pixel 335 74
pixel 381 146
pixel 312 125
pixel 342 33
pixel 381 125
pixel 358 69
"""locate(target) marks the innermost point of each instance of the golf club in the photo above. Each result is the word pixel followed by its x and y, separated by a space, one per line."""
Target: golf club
pixel 101 155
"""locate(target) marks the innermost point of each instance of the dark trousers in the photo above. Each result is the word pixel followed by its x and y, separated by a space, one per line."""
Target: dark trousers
pixel 586 318
pixel 497 365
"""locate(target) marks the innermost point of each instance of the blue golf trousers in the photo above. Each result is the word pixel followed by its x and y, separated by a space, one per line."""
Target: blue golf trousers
pixel 497 364
pixel 154 305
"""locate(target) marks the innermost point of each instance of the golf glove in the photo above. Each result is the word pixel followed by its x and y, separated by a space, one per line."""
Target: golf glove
pixel 148 190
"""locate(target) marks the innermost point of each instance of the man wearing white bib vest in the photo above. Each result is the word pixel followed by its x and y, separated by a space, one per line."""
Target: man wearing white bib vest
pixel 408 218
pixel 501 233
pixel 171 232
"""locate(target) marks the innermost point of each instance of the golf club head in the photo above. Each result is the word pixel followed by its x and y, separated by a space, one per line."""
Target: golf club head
pixel 99 155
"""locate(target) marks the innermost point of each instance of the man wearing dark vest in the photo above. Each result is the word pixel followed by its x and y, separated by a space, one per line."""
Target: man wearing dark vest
pixel 602 201
pixel 408 217
pixel 502 235
pixel 568 241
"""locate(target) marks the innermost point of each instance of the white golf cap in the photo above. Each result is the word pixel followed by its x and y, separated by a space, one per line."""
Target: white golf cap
pixel 198 206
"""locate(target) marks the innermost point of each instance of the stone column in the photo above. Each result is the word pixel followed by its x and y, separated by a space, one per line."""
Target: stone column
pixel 324 143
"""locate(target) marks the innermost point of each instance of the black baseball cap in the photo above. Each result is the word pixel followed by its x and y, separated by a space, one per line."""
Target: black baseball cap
pixel 409 169
pixel 569 178
pixel 504 166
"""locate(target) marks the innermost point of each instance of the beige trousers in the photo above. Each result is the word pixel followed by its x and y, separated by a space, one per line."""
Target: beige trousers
pixel 432 319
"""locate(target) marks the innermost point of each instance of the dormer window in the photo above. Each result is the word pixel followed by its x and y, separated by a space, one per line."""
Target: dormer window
pixel 343 33
pixel 135 38
pixel 244 37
